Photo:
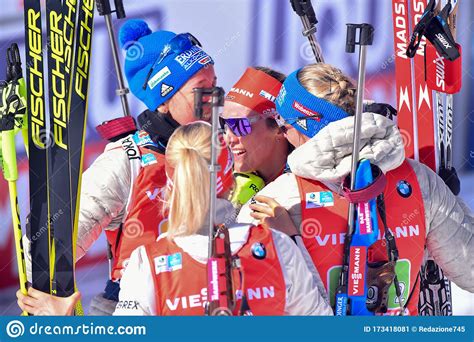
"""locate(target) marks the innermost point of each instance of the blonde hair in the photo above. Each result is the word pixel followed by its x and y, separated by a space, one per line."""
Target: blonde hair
pixel 188 153
pixel 329 83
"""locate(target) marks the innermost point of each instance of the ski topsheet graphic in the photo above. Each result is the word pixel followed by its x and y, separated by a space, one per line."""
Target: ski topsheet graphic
pixel 38 142
pixel 56 150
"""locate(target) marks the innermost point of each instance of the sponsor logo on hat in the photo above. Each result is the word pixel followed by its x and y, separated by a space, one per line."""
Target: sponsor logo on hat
pixel 267 95
pixel 242 92
pixel 166 89
pixel 188 58
pixel 281 95
pixel 159 77
pixel 306 111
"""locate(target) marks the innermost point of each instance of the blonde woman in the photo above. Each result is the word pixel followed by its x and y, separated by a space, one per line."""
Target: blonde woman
pixel 168 277
pixel 316 106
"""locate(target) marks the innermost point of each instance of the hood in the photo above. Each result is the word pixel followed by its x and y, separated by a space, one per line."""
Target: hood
pixel 327 156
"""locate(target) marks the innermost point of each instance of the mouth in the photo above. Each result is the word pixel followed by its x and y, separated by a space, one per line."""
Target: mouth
pixel 238 152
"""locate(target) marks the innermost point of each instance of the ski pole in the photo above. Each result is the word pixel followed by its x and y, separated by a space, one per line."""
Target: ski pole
pixel 114 128
pixel 366 36
pixel 221 297
pixel 11 105
pixel 305 10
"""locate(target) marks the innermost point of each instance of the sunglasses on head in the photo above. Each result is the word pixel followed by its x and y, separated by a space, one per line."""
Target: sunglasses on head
pixel 178 44
pixel 283 123
pixel 239 126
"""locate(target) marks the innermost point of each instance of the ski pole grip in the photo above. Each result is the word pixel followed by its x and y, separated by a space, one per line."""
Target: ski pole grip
pixel 119 10
pixel 198 93
pixel 304 8
pixel 103 7
pixel 366 36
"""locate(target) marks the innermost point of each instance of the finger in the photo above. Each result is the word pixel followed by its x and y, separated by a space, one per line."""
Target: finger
pixel 259 216
pixel 29 301
pixel 262 209
pixel 270 201
pixel 20 295
pixel 37 294
pixel 25 307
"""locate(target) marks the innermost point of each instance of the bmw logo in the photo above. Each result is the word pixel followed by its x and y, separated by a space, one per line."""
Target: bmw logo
pixel 404 189
pixel 258 251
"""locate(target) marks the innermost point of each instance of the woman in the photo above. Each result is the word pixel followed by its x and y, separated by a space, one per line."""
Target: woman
pixel 121 191
pixel 257 143
pixel 316 104
pixel 174 266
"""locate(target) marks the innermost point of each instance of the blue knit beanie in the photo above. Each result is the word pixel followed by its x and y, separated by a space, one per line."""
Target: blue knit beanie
pixel 143 53
pixel 303 110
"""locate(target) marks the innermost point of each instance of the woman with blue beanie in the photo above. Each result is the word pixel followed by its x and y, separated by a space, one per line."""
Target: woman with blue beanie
pixel 122 190
pixel 316 105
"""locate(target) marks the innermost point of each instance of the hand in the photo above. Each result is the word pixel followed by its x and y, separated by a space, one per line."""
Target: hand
pixel 271 214
pixel 43 304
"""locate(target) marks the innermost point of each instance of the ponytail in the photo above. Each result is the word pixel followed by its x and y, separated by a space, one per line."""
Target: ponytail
pixel 187 199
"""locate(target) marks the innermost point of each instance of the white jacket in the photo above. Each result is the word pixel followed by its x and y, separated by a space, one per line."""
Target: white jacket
pixel 327 158
pixel 137 293
pixel 105 189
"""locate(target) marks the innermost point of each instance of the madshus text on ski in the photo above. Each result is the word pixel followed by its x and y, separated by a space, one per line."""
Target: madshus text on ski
pixel 287 195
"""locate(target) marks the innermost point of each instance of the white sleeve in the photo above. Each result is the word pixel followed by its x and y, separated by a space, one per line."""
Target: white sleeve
pixel 105 189
pixel 450 226
pixel 137 292
pixel 303 296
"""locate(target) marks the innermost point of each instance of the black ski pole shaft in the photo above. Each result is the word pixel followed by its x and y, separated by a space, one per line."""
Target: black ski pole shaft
pixel 104 9
pixel 304 9
pixel 366 37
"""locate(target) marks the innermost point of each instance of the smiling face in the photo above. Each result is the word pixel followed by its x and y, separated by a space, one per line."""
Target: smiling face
pixel 255 151
pixel 181 105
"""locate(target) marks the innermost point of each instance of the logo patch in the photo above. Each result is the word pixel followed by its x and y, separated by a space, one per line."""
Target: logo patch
pixel 258 251
pixel 404 189
pixel 159 77
pixel 166 89
pixel 188 58
pixel 142 139
pixel 148 159
pixel 267 95
pixel 168 263
pixel 319 199
pixel 306 111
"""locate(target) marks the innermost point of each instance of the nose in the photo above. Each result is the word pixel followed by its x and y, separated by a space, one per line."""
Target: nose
pixel 230 137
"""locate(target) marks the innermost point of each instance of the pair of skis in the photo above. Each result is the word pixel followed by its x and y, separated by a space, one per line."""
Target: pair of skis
pixel 56 149
pixel 427 133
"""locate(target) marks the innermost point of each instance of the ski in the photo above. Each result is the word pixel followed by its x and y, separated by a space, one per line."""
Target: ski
pixel 77 105
pixel 425 129
pixel 403 75
pixel 61 221
pixel 38 229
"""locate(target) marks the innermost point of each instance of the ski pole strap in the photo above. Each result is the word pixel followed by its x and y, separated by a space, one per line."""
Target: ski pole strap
pixel 436 29
pixel 369 192
pixel 420 28
pixel 104 8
